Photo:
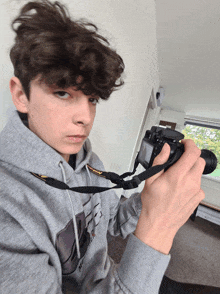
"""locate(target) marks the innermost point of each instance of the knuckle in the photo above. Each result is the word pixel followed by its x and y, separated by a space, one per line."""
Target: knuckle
pixel 190 142
pixel 202 160
pixel 197 151
pixel 192 148
pixel 202 194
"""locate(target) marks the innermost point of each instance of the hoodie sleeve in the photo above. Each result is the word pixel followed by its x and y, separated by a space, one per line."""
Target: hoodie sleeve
pixel 142 268
pixel 140 271
pixel 124 215
pixel 24 269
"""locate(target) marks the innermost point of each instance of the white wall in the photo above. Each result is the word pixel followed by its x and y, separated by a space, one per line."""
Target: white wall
pixel 6 69
pixel 188 53
pixel 131 29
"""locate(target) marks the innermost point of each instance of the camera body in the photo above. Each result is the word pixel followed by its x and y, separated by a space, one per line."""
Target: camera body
pixel 154 141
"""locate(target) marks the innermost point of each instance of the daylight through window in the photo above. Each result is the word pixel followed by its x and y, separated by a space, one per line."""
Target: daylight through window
pixel 205 138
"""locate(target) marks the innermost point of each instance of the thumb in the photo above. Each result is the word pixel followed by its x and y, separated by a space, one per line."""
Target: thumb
pixel 161 158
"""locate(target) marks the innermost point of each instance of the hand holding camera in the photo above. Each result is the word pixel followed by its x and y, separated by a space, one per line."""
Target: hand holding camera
pixel 169 198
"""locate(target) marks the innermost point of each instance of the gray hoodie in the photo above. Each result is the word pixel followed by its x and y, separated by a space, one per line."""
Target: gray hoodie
pixel 54 241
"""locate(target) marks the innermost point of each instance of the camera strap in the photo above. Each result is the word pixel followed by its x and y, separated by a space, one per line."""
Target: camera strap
pixel 113 177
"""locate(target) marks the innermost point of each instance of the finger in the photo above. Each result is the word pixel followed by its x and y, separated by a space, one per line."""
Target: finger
pixel 161 158
pixel 198 168
pixel 188 158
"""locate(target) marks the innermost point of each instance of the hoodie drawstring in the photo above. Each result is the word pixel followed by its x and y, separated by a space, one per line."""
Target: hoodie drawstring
pixel 90 184
pixel 73 213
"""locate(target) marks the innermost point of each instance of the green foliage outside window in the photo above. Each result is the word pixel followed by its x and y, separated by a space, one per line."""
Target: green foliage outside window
pixel 205 138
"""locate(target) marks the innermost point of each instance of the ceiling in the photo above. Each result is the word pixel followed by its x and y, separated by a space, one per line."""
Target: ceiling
pixel 188 36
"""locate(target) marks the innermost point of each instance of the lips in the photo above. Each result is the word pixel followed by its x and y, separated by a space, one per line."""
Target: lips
pixel 76 138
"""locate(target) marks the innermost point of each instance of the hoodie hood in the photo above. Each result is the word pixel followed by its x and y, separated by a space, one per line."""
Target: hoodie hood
pixel 30 153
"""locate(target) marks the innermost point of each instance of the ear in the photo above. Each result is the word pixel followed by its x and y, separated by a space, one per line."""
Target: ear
pixel 19 97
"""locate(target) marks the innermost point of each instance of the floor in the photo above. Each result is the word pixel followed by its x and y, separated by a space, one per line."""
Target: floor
pixel 195 259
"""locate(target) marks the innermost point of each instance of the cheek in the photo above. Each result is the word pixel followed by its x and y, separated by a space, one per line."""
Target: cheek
pixel 42 119
pixel 94 114
pixel 53 120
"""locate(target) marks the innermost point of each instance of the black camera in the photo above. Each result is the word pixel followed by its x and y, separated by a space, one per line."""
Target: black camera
pixel 154 141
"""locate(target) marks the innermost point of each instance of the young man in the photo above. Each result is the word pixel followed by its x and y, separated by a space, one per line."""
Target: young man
pixel 53 240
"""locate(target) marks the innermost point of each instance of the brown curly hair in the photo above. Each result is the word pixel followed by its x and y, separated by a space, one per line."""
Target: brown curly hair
pixel 50 44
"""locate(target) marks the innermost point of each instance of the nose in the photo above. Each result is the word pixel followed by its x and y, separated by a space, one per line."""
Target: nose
pixel 84 112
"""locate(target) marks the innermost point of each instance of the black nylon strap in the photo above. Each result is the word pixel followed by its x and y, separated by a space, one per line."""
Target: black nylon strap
pixel 113 177
pixel 151 171
pixel 126 185
pixel 82 189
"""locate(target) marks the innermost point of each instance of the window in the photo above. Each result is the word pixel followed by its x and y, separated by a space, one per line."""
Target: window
pixel 205 137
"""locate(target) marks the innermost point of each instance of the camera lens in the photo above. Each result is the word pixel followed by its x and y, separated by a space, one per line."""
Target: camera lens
pixel 211 161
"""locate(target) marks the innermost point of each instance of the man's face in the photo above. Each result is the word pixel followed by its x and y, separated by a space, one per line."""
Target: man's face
pixel 61 118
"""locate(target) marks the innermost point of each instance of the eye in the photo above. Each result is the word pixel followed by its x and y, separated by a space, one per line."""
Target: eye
pixel 94 101
pixel 62 94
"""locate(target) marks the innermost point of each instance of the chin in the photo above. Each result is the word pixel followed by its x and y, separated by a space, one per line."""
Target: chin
pixel 71 150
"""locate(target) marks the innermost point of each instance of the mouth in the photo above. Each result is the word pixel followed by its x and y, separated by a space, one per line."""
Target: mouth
pixel 76 138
